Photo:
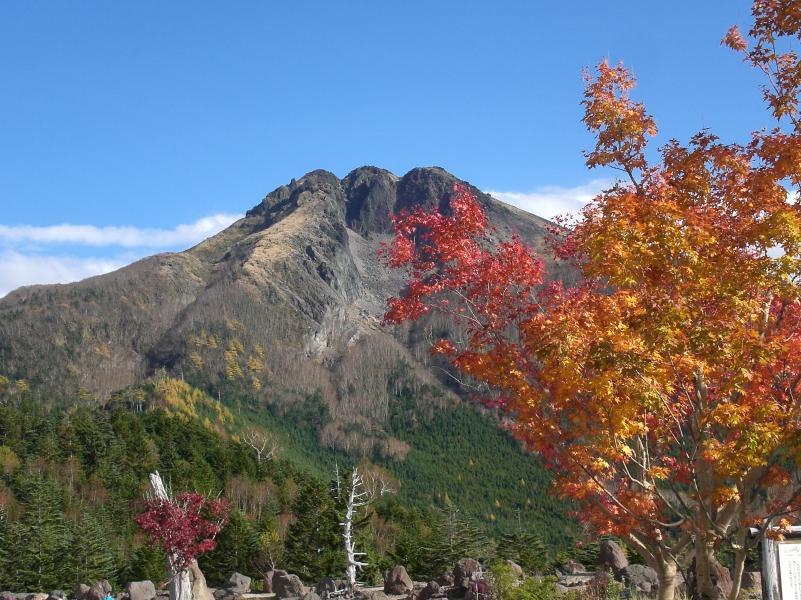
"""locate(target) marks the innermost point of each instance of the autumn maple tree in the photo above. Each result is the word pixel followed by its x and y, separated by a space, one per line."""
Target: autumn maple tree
pixel 663 389
pixel 184 527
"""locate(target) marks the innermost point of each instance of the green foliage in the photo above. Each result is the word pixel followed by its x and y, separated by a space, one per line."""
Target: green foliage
pixel 237 550
pixel 524 547
pixel 314 540
pixel 504 585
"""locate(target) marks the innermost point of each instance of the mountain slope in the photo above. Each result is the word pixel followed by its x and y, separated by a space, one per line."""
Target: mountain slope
pixel 278 318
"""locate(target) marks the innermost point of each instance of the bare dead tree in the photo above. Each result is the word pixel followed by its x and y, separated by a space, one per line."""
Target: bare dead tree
pixel 363 490
pixel 262 443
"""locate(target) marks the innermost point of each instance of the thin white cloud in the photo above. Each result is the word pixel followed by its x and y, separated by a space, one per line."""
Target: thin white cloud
pixel 552 200
pixel 29 254
pixel 126 237
pixel 18 269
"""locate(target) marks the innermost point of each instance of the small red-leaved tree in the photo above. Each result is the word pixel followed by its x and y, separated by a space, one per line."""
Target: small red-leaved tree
pixel 184 527
pixel 664 391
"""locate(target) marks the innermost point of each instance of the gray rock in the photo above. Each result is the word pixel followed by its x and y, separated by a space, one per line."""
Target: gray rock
pixel 572 567
pixel 611 556
pixel 641 577
pixel 287 585
pixel 431 590
pixel 446 579
pixel 463 571
pixel 141 590
pixel 56 595
pixel 398 581
pixel 325 586
pixel 371 595
pixel 311 596
pixel 751 584
pixel 7 596
pixel 516 569
pixel 38 597
pixel 80 591
pixel 721 578
pixel 238 583
pixel 268 579
pixel 99 590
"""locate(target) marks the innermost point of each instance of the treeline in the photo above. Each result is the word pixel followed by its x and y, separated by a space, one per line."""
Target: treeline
pixel 71 480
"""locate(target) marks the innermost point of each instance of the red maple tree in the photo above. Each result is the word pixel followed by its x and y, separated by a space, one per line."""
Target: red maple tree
pixel 184 527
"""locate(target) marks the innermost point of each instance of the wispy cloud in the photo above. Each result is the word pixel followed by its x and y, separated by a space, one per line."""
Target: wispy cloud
pixel 35 254
pixel 127 237
pixel 17 269
pixel 552 200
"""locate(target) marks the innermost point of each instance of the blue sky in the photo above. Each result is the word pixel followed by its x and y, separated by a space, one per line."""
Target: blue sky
pixel 170 119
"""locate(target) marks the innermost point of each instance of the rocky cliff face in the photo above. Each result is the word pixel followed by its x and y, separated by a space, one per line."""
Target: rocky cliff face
pixel 283 304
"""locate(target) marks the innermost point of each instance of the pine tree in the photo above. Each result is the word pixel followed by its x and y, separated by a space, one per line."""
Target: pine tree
pixel 236 550
pixel 454 536
pixel 524 547
pixel 45 535
pixel 314 540
pixel 91 556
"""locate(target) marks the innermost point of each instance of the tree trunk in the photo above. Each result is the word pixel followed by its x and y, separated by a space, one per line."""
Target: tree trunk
pixel 179 582
pixel 737 575
pixel 666 572
pixel 704 586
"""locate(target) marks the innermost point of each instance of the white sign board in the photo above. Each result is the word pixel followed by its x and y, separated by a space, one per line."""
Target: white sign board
pixel 790 569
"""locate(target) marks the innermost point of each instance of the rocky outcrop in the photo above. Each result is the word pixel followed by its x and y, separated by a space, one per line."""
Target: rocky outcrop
pixel 141 590
pixel 612 557
pixel 398 581
pixel 287 585
pixel 641 577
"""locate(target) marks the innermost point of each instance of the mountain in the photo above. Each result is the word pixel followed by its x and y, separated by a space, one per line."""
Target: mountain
pixel 277 316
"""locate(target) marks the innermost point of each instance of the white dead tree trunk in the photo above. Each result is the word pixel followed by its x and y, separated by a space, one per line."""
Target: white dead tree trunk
pixel 263 444
pixel 361 493
pixel 179 581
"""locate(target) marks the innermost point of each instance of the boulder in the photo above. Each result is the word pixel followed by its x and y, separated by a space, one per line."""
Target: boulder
pixel 287 585
pixel 751 584
pixel 398 582
pixel 141 590
pixel 517 570
pixel 431 590
pixel 268 579
pixel 56 595
pixel 200 590
pixel 325 587
pixel 463 571
pixel 371 595
pixel 446 579
pixel 38 597
pixel 721 578
pixel 98 591
pixel 80 591
pixel 311 596
pixel 238 583
pixel 641 577
pixel 7 596
pixel 572 567
pixel 612 557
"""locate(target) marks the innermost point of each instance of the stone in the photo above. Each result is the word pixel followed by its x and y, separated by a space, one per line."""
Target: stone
pixel 7 596
pixel 371 595
pixel 56 595
pixel 517 570
pixel 463 571
pixel 80 591
pixel 611 556
pixel 325 587
pixel 141 590
pixel 641 577
pixel 398 581
pixel 37 597
pixel 721 578
pixel 238 583
pixel 98 591
pixel 287 585
pixel 311 596
pixel 268 579
pixel 572 567
pixel 446 579
pixel 751 584
pixel 432 589
pixel 200 590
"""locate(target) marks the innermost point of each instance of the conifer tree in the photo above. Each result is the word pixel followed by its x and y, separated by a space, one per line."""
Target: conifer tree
pixel 314 540
pixel 90 552
pixel 454 536
pixel 236 550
